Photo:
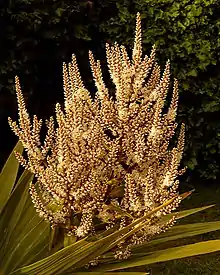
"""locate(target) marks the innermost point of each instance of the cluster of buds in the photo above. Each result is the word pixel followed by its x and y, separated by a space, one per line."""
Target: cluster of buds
pixel 106 159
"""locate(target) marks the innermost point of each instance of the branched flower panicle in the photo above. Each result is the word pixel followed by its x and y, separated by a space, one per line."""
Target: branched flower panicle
pixel 101 147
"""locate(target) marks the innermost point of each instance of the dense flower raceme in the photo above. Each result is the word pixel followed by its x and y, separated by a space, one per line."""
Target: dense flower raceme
pixel 107 161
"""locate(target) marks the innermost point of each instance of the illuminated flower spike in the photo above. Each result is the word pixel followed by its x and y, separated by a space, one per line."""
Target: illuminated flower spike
pixel 108 159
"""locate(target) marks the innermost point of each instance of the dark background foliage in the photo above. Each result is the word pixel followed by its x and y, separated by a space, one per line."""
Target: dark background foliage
pixel 37 36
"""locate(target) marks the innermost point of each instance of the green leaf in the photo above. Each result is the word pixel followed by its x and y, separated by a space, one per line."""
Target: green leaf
pixel 8 176
pixel 12 211
pixel 185 213
pixel 25 233
pixel 68 240
pixel 59 12
pixel 165 255
pixel 186 194
pixel 32 247
pixel 120 212
pixel 180 25
pixel 82 252
pixel 193 72
pixel 50 264
pixel 111 241
pixel 110 273
pixel 179 232
pixel 178 215
pixel 56 239
pixel 52 237
pixel 185 85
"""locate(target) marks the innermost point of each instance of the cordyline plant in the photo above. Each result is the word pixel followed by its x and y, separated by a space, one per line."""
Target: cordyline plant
pixel 106 177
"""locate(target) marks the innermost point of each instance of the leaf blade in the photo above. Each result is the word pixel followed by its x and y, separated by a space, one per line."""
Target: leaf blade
pixel 81 252
pixel 13 209
pixel 23 230
pixel 181 231
pixel 185 213
pixel 166 255
pixel 8 175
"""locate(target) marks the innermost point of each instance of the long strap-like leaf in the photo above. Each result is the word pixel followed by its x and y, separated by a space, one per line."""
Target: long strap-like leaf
pixel 23 232
pixel 12 211
pixel 80 253
pixel 179 232
pixel 165 255
pixel 8 176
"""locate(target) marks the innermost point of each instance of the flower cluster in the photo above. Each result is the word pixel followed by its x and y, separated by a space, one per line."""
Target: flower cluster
pixel 106 159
